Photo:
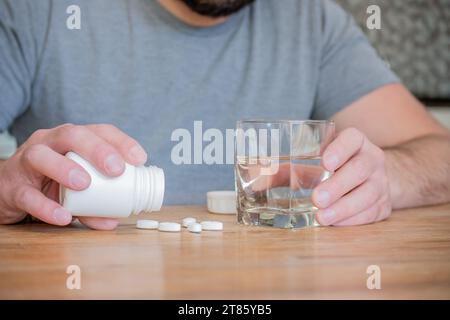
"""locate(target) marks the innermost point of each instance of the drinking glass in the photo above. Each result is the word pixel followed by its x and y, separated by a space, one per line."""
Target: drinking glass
pixel 277 166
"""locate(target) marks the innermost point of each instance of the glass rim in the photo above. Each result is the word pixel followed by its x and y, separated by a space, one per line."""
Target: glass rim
pixel 268 121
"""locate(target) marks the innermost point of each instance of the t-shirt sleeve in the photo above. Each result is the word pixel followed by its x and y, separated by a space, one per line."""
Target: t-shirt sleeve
pixel 18 58
pixel 350 67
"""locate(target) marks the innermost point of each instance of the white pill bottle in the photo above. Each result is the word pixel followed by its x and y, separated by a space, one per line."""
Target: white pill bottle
pixel 138 189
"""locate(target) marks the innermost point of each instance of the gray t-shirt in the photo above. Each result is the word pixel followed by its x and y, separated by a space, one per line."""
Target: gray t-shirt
pixel 134 65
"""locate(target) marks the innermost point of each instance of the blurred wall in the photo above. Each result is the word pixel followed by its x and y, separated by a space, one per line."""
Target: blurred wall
pixel 414 39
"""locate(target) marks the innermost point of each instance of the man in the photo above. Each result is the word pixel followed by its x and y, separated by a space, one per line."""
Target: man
pixel 150 67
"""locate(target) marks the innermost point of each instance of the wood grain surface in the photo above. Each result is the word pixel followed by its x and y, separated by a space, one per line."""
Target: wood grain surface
pixel 412 249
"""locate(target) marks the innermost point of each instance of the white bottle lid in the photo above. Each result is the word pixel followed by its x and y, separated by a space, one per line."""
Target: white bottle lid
pixel 222 202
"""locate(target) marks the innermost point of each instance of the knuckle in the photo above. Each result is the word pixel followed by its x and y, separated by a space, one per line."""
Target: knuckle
pixel 359 167
pixel 70 132
pixel 31 154
pixel 104 128
pixel 129 142
pixel 107 127
pixel 354 134
pixel 102 151
pixel 68 124
pixel 335 186
pixel 38 134
pixel 359 137
pixel 21 196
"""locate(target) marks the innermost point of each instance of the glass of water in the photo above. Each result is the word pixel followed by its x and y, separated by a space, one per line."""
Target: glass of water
pixel 277 166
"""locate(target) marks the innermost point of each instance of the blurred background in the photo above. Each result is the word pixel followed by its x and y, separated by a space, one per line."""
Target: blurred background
pixel 414 40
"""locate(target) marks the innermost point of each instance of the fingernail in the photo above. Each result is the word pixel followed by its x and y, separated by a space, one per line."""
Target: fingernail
pixel 78 179
pixel 332 161
pixel 327 217
pixel 323 198
pixel 138 154
pixel 62 216
pixel 114 164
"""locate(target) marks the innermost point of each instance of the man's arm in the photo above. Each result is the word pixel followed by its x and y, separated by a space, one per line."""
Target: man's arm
pixel 419 171
pixel 417 147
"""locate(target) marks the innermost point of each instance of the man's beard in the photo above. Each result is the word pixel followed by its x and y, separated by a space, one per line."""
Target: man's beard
pixel 216 8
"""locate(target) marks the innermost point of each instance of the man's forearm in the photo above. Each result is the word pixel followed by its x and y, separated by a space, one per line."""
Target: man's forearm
pixel 419 171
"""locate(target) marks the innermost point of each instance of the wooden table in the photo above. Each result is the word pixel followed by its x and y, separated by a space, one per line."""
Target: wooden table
pixel 412 249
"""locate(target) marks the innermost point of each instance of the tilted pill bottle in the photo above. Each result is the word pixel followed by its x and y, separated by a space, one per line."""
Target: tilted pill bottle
pixel 138 189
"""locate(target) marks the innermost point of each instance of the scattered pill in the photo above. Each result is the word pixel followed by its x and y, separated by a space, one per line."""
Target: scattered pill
pixel 187 221
pixel 212 225
pixel 147 224
pixel 195 227
pixel 169 227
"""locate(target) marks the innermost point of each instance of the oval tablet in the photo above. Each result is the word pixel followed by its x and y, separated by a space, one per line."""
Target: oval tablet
pixel 212 225
pixel 169 227
pixel 187 221
pixel 147 224
pixel 195 227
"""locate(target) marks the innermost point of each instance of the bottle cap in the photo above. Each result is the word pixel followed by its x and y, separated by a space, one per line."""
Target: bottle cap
pixel 222 202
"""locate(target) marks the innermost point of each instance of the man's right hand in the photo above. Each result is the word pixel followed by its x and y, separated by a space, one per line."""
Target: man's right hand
pixel 29 180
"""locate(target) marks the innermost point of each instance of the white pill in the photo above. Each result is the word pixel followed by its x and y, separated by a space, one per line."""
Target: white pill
pixel 147 224
pixel 187 221
pixel 169 227
pixel 212 225
pixel 195 227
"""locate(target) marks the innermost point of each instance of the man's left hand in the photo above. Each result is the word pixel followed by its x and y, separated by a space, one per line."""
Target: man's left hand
pixel 358 191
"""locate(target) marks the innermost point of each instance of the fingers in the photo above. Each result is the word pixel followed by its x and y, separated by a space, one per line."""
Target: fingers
pixel 347 143
pixel 129 148
pixel 99 223
pixel 41 157
pixel 32 201
pixel 51 164
pixel 348 177
pixel 351 204
pixel 381 210
pixel 90 146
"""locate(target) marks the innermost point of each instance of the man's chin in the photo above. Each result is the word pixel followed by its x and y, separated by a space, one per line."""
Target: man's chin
pixel 216 8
